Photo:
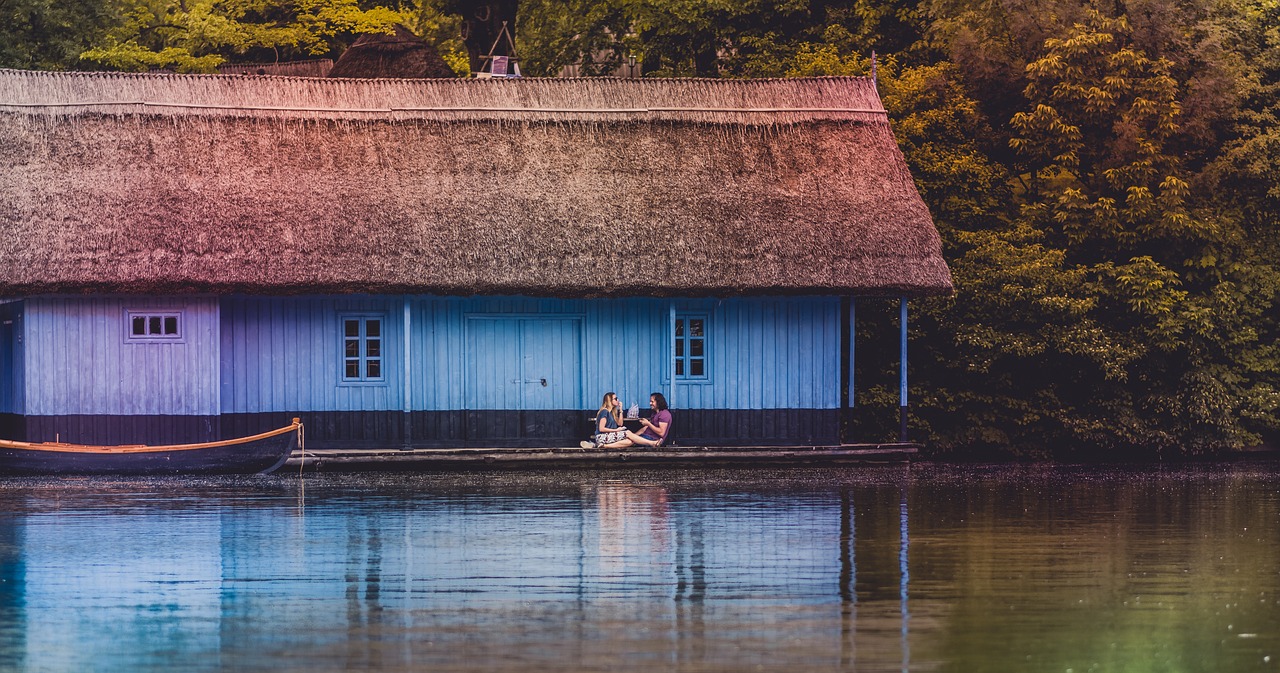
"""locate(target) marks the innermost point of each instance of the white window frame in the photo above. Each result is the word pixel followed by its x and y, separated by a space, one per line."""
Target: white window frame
pixel 363 357
pixel 147 316
pixel 683 361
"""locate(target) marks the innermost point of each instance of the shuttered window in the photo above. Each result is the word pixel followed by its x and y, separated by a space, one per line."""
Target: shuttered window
pixel 362 348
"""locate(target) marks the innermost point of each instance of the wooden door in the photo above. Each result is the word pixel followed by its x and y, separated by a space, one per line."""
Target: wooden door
pixel 523 378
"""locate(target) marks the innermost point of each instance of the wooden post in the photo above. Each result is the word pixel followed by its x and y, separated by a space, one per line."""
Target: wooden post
pixel 853 349
pixel 671 341
pixel 902 371
pixel 407 336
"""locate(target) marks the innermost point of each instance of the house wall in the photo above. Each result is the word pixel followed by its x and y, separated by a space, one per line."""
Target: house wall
pixel 282 356
pixel 86 382
pixel 477 366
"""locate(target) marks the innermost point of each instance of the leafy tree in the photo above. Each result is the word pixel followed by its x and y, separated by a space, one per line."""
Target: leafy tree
pixel 50 34
pixel 712 38
pixel 1116 307
pixel 439 28
pixel 596 36
pixel 199 35
pixel 1018 309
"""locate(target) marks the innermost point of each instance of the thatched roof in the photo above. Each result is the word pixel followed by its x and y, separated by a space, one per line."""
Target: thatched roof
pixel 209 183
pixel 398 54
pixel 316 67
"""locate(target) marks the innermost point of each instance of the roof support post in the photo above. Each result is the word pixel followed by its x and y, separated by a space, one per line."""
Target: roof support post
pixel 407 336
pixel 853 349
pixel 671 341
pixel 902 371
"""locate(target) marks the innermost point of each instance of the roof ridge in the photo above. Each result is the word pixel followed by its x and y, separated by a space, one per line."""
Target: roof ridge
pixel 751 100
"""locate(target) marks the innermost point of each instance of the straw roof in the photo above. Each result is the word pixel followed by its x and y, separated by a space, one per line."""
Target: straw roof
pixel 316 67
pixel 207 183
pixel 398 54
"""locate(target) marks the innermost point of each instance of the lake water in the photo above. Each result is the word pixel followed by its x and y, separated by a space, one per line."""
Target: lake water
pixel 920 568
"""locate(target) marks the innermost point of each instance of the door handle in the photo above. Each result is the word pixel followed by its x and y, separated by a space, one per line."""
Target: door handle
pixel 542 381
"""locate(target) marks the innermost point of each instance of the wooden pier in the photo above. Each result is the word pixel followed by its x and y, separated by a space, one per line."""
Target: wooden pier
pixel 471 458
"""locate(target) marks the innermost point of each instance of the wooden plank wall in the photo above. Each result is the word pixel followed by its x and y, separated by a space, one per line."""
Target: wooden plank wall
pixel 767 353
pixel 77 361
pixel 283 354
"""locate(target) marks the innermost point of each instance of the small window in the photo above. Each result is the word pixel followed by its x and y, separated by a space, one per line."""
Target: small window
pixel 361 348
pixel 153 326
pixel 691 347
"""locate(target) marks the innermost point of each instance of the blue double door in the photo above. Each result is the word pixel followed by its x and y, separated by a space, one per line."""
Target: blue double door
pixel 524 379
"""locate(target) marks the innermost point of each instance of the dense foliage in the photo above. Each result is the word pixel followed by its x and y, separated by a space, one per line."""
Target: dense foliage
pixel 1106 178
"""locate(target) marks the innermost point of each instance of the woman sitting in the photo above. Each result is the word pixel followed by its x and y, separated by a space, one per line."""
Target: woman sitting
pixel 609 430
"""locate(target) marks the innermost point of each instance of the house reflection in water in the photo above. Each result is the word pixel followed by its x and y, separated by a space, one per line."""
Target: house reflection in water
pixel 621 575
pixel 753 562
pixel 12 575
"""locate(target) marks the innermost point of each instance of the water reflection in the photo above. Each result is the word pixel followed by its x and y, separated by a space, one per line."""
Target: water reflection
pixel 893 569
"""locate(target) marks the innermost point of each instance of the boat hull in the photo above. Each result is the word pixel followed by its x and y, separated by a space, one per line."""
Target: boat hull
pixel 252 455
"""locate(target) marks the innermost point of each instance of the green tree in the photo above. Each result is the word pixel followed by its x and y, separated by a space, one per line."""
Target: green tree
pixel 713 38
pixel 1112 306
pixel 51 34
pixel 1018 308
pixel 199 35
pixel 442 30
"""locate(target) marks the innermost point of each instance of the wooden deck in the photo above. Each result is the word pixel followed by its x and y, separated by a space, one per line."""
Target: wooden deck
pixel 469 458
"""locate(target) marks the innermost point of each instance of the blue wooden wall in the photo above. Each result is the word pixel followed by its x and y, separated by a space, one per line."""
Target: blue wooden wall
pixel 78 362
pixel 284 354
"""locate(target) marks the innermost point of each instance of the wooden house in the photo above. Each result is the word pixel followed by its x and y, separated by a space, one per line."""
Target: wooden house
pixel 441 262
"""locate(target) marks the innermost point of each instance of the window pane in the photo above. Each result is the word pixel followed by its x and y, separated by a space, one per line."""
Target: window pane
pixel 171 324
pixel 679 327
pixel 695 327
pixel 680 348
pixel 153 324
pixel 351 328
pixel 695 368
pixel 139 326
pixel 373 328
pixel 373 369
pixel 353 369
pixel 679 367
pixel 695 348
pixel 373 348
pixel 353 348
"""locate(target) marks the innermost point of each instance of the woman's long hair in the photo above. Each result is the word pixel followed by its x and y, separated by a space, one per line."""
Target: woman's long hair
pixel 607 405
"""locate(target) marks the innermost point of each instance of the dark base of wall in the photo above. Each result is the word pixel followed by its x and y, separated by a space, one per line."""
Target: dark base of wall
pixel 109 430
pixel 515 429
pixel 14 427
pixel 422 429
pixel 430 429
pixel 756 427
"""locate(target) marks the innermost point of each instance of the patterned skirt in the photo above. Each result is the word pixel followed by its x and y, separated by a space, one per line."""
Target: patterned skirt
pixel 610 437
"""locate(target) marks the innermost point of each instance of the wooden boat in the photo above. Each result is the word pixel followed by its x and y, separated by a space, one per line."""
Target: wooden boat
pixel 261 453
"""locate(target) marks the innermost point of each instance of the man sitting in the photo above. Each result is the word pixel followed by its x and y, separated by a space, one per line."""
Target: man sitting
pixel 656 428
